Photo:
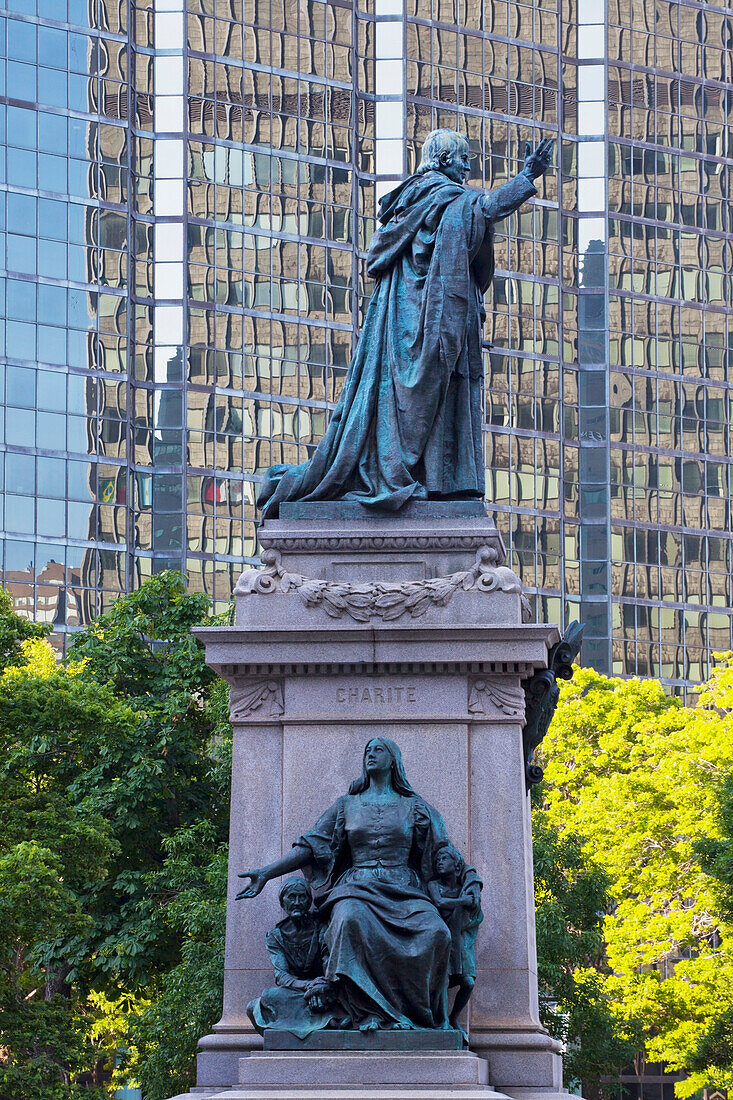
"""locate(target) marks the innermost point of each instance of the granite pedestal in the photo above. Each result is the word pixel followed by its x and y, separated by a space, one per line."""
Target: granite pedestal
pixel 408 625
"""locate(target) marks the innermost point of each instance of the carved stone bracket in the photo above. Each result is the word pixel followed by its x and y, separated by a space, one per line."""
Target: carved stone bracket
pixel 491 694
pixel 264 695
pixel 378 599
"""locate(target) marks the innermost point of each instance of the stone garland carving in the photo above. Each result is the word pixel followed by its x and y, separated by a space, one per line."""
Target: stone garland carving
pixel 490 693
pixel 255 696
pixel 380 599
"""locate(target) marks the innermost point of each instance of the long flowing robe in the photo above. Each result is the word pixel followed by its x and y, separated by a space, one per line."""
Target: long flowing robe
pixel 385 945
pixel 408 423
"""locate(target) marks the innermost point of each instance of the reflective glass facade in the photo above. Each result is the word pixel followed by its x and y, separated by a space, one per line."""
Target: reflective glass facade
pixel 189 190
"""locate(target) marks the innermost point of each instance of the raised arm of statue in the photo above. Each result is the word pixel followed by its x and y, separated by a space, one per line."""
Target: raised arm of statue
pixel 503 201
pixel 292 861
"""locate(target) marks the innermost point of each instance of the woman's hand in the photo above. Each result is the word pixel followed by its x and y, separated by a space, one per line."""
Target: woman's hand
pixel 257 878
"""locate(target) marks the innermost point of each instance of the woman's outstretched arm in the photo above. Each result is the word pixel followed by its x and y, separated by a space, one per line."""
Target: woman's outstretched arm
pixel 293 860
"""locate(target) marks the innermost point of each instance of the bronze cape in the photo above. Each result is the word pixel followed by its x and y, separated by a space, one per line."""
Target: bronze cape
pixel 408 423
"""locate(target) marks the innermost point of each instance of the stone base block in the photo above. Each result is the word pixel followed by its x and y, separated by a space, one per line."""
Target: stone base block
pixel 412 1040
pixel 217 1060
pixel 523 1061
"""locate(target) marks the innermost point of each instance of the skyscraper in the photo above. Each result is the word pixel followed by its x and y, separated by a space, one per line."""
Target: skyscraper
pixel 189 192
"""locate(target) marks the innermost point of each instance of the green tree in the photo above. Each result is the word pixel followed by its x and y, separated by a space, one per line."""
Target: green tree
pixel 158 776
pixel 571 898
pixel 53 851
pixel 630 769
pixel 112 788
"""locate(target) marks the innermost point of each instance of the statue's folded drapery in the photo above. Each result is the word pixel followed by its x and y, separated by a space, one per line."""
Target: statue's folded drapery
pixel 284 1005
pixel 385 945
pixel 408 423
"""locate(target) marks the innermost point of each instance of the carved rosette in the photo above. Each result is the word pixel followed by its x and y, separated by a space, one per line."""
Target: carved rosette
pixel 491 695
pixel 378 599
pixel 261 697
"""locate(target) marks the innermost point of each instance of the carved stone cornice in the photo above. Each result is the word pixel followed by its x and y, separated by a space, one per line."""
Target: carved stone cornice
pixel 380 599
pixel 341 543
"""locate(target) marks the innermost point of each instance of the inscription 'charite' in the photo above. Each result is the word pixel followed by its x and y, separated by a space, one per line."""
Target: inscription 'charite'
pixel 392 694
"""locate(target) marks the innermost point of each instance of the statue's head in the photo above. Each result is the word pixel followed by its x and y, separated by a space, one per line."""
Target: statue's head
pixel 381 753
pixel 446 151
pixel 447 860
pixel 295 897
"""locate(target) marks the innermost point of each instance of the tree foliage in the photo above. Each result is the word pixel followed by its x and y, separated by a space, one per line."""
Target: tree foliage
pixel 109 768
pixel 631 770
pixel 571 896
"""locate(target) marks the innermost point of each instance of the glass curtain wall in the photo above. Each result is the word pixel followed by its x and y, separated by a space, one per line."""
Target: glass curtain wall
pixel 64 196
pixel 187 219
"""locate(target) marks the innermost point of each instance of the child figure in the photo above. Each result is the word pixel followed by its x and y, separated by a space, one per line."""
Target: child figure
pixel 456 893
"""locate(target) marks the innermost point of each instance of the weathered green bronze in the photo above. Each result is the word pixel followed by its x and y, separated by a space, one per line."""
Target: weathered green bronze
pixel 542 694
pixel 300 1002
pixel 398 910
pixel 408 423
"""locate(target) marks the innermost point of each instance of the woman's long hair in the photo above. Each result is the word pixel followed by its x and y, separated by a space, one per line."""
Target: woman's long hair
pixel 396 770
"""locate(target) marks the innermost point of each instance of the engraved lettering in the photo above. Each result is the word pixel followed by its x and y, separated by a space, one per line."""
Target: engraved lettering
pixel 378 696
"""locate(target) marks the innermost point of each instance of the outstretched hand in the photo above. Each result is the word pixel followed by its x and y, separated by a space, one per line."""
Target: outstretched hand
pixel 257 882
pixel 537 161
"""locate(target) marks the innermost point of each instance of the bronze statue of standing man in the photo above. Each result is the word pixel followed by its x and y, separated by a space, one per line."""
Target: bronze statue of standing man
pixel 408 424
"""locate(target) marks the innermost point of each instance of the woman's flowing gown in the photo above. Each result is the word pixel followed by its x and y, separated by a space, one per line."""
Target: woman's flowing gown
pixel 384 942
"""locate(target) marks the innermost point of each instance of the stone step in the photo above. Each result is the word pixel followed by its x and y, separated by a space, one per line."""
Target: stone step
pixel 339 1069
pixel 375 1092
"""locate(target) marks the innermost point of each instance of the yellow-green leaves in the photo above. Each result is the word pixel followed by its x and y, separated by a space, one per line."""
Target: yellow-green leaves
pixel 634 772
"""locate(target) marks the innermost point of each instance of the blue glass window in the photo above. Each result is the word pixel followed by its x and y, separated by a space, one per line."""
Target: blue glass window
pixel 21 300
pixel 52 259
pixel 53 87
pixel 19 514
pixel 22 79
pixel 52 47
pixel 21 168
pixel 51 429
pixel 52 133
pixel 51 345
pixel 20 341
pixel 51 517
pixel 22 213
pixel 52 476
pixel 22 254
pixel 21 387
pixel 21 473
pixel 20 428
pixel 22 40
pixel 52 304
pixel 22 127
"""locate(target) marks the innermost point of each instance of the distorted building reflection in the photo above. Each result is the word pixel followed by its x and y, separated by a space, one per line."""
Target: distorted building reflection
pixel 186 231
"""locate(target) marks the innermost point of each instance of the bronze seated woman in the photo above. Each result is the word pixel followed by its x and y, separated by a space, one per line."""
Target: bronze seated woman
pixel 385 946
